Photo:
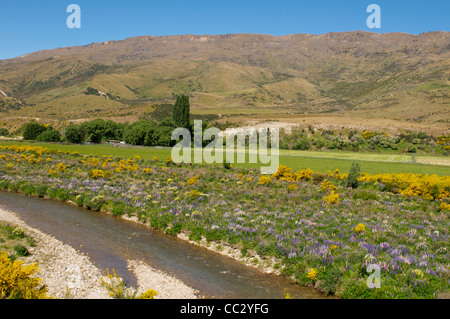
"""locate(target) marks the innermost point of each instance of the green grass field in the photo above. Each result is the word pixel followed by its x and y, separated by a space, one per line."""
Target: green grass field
pixel 315 160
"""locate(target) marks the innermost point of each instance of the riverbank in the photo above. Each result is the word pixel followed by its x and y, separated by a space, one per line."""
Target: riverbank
pixel 70 274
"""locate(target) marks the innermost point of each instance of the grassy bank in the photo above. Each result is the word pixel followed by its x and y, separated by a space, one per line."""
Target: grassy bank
pixel 315 160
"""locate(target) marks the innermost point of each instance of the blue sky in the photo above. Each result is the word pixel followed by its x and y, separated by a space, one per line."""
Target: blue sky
pixel 31 25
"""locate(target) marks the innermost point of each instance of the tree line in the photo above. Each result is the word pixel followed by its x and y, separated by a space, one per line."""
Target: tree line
pixel 143 132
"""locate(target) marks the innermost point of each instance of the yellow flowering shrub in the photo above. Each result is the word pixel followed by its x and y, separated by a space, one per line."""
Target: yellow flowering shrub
pixel 312 274
pixel 444 141
pixel 444 207
pixel 97 173
pixel 265 180
pixel 194 193
pixel 304 174
pixel 192 181
pixel 337 175
pixel 285 173
pixel 149 294
pixel 61 167
pixel 332 198
pixel 17 280
pixel 148 170
pixel 327 186
pixel 360 228
pixel 427 186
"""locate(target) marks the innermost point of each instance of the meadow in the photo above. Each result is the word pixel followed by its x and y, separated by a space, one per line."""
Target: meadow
pixel 320 161
pixel 308 225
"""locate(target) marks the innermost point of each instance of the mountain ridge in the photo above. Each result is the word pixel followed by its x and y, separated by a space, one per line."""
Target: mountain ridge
pixel 398 75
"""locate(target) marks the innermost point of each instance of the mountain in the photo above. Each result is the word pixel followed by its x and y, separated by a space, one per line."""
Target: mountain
pixel 393 76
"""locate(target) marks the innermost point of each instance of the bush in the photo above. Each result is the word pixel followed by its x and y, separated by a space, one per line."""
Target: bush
pixel 21 250
pixel 41 191
pixel 226 165
pixel 137 133
pixel 118 209
pixel 365 195
pixel 63 195
pixel 97 203
pixel 4 132
pixel 18 281
pixel 49 136
pixel 32 130
pixel 73 134
pixel 353 175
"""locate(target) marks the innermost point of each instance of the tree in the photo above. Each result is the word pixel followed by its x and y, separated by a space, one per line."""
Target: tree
pixel 181 111
pixel 353 175
pixel 49 136
pixel 4 132
pixel 73 134
pixel 32 130
pixel 135 133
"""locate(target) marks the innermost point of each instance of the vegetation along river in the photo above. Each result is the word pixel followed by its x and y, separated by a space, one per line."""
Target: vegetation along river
pixel 110 241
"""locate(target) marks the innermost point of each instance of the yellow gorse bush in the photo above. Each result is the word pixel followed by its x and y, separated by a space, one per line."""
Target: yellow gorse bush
pixel 444 207
pixel 286 173
pixel 312 274
pixel 332 198
pixel 360 228
pixel 337 175
pixel 265 180
pixel 192 181
pixel 61 167
pixel 427 186
pixel 149 294
pixel 17 280
pixel 327 186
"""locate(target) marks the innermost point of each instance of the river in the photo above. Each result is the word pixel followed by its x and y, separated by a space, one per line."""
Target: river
pixel 110 241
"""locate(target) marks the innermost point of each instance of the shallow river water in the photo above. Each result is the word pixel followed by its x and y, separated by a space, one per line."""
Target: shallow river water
pixel 110 242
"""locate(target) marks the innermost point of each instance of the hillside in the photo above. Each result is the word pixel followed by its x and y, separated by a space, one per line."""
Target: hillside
pixel 392 76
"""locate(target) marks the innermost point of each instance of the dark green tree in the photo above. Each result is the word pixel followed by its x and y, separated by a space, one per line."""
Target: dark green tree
pixel 4 132
pixel 49 136
pixel 181 111
pixel 73 134
pixel 32 130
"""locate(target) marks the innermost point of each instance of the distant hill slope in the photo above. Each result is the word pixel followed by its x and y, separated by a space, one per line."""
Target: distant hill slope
pixel 394 75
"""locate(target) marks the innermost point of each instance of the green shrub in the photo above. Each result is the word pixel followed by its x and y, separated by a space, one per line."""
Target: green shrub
pixel 365 195
pixel 353 175
pixel 63 194
pixel 21 250
pixel 41 191
pixel 97 203
pixel 79 200
pixel 328 280
pixel 118 209
pixel 49 136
